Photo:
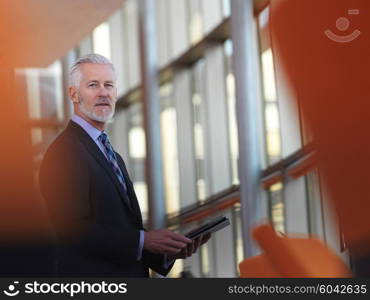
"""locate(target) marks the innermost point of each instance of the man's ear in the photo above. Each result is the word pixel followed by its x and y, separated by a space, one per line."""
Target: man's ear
pixel 73 95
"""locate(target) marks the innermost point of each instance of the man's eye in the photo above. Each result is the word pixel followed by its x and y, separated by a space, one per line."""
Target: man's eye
pixel 109 85
pixel 92 85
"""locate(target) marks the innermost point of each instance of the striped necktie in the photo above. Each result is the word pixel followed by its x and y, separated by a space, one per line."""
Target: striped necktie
pixel 111 156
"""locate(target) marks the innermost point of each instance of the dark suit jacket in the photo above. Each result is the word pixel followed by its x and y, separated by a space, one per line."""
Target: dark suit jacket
pixel 97 225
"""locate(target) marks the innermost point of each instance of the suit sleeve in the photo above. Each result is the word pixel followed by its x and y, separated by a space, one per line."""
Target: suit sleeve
pixel 64 183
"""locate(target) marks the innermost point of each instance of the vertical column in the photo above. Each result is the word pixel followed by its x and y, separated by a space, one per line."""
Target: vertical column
pixel 245 65
pixel 151 109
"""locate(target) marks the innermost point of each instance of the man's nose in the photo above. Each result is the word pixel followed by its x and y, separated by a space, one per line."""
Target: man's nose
pixel 103 91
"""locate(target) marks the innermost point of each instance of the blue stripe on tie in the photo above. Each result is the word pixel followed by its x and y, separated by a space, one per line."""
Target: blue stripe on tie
pixel 111 156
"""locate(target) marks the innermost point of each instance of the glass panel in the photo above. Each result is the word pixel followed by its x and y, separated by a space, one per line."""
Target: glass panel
pixel 195 21
pixel 137 142
pixel 277 207
pixel 199 127
pixel 271 109
pixel 272 126
pixel 239 248
pixel 315 205
pixel 137 155
pixel 44 95
pixel 205 260
pixel 33 93
pixel 169 150
pixel 56 69
pixel 101 40
pixel 226 8
pixel 141 191
pixel 231 105
pixel 44 91
pixel 268 73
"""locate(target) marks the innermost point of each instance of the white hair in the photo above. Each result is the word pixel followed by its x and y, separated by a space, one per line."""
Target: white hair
pixel 75 72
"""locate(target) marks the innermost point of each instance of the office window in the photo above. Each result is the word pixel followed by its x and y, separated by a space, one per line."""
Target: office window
pixel 226 9
pixel 169 149
pixel 117 49
pixel 212 11
pixel 272 121
pixel 238 236
pixel 137 155
pixel 271 107
pixel 217 123
pixel 295 205
pixel 199 128
pixel 195 21
pixel 315 205
pixel 231 109
pixel 85 46
pixel 163 30
pixel 131 49
pixel 177 26
pixel 118 134
pixel 34 103
pixel 182 97
pixel 289 209
pixel 205 259
pixel 223 248
pixel 101 40
pixel 44 96
pixel 275 195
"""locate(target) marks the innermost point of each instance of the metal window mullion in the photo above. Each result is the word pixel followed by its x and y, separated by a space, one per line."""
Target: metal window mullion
pixel 151 109
pixel 245 65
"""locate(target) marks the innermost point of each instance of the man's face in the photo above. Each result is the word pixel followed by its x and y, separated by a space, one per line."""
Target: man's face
pixel 96 96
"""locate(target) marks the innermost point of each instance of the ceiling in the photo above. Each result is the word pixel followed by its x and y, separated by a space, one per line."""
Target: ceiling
pixel 34 33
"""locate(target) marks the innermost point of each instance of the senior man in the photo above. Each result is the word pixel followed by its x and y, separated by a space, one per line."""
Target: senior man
pixel 90 196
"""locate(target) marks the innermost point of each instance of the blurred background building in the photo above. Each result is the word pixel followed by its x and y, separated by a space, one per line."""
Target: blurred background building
pixel 227 118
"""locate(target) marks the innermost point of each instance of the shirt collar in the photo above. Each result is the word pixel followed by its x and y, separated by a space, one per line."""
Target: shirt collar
pixel 93 132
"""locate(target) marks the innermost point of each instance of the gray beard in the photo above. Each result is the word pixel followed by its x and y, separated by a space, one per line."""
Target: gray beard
pixel 91 114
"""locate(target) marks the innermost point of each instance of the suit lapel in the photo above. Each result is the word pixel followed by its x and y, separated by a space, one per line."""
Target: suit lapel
pixel 130 191
pixel 94 150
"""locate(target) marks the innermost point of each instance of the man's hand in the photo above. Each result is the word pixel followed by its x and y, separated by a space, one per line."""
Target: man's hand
pixel 165 242
pixel 191 248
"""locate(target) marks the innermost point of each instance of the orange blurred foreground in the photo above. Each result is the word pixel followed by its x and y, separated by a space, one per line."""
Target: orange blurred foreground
pixel 33 33
pixel 330 77
pixel 291 257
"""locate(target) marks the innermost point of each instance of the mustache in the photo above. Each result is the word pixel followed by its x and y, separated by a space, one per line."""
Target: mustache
pixel 103 100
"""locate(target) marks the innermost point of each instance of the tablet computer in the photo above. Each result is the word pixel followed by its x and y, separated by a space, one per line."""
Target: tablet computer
pixel 211 226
